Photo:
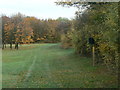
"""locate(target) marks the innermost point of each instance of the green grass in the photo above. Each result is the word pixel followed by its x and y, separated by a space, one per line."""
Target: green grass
pixel 49 66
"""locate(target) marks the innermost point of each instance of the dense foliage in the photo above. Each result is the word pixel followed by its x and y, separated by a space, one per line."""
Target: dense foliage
pixel 99 21
pixel 21 29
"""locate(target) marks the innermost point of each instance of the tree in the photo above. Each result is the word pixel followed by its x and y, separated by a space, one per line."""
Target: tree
pixel 5 19
pixel 8 29
pixel 17 19
pixel 99 21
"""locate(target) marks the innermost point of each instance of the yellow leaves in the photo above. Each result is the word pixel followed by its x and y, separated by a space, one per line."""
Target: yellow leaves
pixel 42 39
pixel 38 38
pixel 103 11
pixel 17 40
pixel 24 31
pixel 44 36
pixel 9 26
pixel 103 47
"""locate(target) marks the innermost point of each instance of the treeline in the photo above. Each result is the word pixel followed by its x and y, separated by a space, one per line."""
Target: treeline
pixel 21 29
pixel 99 21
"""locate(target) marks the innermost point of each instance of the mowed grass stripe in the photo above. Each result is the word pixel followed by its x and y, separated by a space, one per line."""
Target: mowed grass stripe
pixel 49 66
pixel 15 67
pixel 30 69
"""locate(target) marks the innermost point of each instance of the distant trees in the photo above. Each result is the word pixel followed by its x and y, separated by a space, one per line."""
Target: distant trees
pixel 10 29
pixel 21 29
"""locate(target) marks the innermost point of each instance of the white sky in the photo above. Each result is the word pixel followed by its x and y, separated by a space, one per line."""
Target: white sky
pixel 39 8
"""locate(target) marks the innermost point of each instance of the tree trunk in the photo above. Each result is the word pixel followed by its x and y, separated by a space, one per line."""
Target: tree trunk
pixel 10 45
pixel 16 46
pixel 3 46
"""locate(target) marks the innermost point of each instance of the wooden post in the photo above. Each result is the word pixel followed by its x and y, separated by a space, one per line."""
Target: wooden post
pixel 93 52
pixel 92 42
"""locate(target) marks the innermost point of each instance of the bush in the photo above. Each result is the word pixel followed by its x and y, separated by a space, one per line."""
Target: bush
pixel 66 40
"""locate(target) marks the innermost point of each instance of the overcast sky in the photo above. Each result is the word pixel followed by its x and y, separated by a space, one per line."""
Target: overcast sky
pixel 39 8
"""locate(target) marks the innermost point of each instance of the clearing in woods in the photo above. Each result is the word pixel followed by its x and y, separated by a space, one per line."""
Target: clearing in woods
pixel 49 66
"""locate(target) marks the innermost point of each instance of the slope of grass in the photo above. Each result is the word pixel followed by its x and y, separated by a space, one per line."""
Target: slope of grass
pixel 49 66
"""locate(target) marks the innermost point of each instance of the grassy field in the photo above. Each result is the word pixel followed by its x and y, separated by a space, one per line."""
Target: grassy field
pixel 49 66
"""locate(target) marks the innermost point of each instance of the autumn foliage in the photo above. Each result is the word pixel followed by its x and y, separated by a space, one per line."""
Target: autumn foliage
pixel 24 29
